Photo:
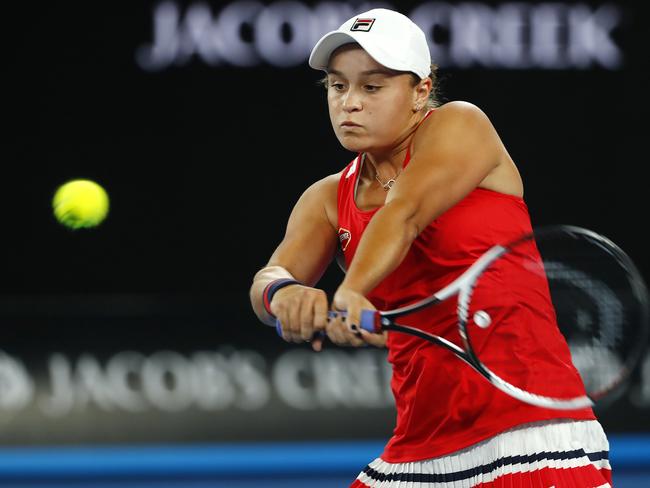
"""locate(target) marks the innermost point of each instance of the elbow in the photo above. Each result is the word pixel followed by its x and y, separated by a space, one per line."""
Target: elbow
pixel 405 215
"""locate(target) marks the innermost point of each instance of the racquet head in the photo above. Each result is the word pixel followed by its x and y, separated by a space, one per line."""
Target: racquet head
pixel 556 314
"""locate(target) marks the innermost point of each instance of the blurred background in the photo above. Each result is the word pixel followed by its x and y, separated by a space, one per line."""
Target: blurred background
pixel 130 355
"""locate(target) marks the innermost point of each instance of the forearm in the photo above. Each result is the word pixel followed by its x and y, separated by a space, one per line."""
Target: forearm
pixel 382 248
pixel 260 282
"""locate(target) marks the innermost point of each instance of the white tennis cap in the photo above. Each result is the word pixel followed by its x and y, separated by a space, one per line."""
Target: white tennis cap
pixel 389 37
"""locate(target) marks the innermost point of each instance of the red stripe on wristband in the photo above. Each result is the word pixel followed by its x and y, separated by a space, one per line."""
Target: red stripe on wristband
pixel 271 288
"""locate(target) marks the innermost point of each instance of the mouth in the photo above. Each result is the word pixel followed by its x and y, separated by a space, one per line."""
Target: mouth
pixel 348 124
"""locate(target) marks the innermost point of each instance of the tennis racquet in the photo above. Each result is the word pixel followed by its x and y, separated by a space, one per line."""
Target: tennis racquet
pixel 584 286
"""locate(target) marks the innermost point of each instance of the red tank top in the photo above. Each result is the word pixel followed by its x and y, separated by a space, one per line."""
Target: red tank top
pixel 442 404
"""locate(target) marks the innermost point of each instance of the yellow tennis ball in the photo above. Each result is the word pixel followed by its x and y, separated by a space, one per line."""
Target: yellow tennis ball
pixel 80 204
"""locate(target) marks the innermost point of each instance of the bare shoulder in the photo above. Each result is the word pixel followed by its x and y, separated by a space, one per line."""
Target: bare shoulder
pixel 460 107
pixel 454 122
pixel 458 112
pixel 324 188
pixel 322 195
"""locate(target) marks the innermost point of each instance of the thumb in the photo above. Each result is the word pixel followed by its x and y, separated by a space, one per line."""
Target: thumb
pixel 377 340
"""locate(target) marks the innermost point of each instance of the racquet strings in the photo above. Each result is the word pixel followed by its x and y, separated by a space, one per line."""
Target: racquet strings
pixel 564 303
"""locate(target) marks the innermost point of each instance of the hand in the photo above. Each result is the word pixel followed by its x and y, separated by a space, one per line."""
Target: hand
pixel 302 311
pixel 348 331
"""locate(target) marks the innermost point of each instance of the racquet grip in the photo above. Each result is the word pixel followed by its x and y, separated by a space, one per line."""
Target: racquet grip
pixel 369 321
pixel 331 314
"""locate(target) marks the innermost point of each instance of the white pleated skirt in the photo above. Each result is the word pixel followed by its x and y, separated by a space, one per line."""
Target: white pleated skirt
pixel 556 453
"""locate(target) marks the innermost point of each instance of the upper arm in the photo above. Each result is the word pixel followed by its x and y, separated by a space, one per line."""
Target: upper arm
pixel 453 151
pixel 310 240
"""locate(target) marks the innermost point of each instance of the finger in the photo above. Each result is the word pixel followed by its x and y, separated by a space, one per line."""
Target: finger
pixel 320 312
pixel 293 323
pixel 344 337
pixel 354 338
pixel 281 317
pixel 331 329
pixel 307 320
pixel 317 343
pixel 377 340
pixel 335 331
pixel 354 312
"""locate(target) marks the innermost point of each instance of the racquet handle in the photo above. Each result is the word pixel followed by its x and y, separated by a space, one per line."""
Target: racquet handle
pixel 331 314
pixel 369 321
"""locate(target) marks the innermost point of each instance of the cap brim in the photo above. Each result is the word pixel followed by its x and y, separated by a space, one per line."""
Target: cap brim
pixel 320 55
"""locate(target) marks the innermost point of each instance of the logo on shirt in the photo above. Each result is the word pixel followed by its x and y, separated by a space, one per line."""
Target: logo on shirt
pixel 362 25
pixel 345 236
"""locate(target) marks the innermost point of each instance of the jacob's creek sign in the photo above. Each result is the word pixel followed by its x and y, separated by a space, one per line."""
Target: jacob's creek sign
pixel 509 35
pixel 168 381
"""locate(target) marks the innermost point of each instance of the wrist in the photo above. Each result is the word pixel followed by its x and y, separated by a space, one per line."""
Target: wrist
pixel 349 285
pixel 272 288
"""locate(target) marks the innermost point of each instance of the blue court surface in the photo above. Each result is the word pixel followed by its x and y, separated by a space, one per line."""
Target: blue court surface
pixel 272 465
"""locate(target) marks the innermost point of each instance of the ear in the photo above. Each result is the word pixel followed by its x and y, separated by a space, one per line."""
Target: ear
pixel 421 94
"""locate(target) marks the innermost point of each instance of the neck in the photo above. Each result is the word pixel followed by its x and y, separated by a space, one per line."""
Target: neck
pixel 386 165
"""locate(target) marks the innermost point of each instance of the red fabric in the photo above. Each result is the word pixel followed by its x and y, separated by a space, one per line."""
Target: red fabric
pixel 581 477
pixel 442 404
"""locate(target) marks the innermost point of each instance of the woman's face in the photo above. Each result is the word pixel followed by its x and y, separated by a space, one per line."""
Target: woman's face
pixel 370 106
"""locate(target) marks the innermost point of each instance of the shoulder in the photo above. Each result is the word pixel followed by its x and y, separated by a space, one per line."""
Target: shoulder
pixel 325 185
pixel 455 113
pixel 322 196
pixel 322 192
pixel 460 107
pixel 454 122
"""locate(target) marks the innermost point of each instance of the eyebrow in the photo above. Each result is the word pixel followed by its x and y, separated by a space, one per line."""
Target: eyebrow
pixel 377 71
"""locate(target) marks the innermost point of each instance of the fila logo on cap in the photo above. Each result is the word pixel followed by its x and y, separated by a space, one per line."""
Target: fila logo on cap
pixel 362 25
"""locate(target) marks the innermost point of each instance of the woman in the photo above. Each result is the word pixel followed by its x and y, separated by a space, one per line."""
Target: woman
pixel 430 190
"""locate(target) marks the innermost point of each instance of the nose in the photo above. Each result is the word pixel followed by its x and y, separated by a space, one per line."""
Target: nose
pixel 352 101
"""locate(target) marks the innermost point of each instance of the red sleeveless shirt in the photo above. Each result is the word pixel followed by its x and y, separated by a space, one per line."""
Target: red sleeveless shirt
pixel 443 405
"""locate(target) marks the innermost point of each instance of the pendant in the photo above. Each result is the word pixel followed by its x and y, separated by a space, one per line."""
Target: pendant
pixel 389 184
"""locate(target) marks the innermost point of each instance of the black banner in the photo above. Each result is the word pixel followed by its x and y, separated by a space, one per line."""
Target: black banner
pixel 204 124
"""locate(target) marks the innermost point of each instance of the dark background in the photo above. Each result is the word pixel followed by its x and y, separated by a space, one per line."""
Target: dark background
pixel 204 163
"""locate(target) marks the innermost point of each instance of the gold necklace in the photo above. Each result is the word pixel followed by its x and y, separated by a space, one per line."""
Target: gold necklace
pixel 389 184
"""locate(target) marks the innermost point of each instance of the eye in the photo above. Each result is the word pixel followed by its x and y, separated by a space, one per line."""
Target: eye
pixel 337 86
pixel 371 88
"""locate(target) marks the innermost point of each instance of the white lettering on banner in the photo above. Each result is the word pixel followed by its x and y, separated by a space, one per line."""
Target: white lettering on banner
pixel 308 381
pixel 274 42
pixel 130 381
pixel 165 380
pixel 88 383
pixel 511 35
pixel 122 374
pixel 509 48
pixel 16 386
pixel 589 37
pixel 233 18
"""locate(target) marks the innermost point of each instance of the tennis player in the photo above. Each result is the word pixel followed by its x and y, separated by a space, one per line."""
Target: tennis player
pixel 432 187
